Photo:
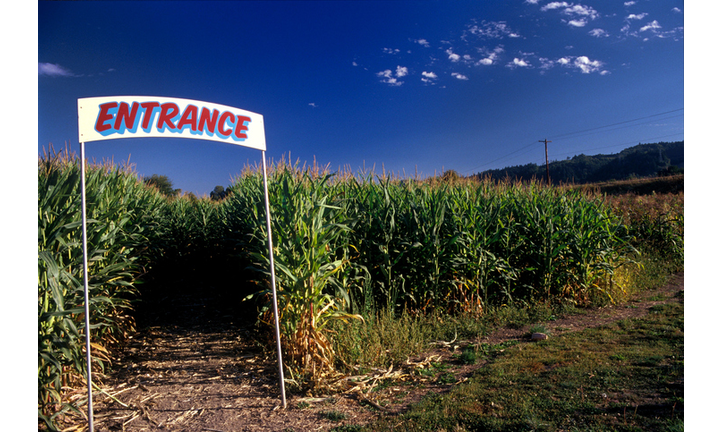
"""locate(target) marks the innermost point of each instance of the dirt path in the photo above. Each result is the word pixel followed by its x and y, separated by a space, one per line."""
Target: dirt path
pixel 206 374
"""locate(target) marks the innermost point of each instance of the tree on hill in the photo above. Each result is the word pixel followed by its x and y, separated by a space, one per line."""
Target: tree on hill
pixel 218 193
pixel 163 184
pixel 643 160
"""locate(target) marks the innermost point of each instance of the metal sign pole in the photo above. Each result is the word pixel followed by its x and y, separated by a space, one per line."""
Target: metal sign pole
pixel 273 283
pixel 85 286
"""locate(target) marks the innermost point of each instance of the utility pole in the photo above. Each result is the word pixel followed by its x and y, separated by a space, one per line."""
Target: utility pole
pixel 546 155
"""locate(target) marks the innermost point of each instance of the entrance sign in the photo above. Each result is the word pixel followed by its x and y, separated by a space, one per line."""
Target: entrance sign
pixel 103 118
pixel 114 117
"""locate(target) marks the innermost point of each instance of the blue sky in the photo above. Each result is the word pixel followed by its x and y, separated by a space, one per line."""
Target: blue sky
pixel 407 86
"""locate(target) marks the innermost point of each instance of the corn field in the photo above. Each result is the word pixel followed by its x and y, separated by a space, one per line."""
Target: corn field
pixel 346 246
pixel 120 215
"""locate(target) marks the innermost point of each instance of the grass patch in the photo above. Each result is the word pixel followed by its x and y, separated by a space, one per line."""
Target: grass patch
pixel 333 415
pixel 389 338
pixel 628 376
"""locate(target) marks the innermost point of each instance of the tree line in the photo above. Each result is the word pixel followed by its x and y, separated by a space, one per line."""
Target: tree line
pixel 643 160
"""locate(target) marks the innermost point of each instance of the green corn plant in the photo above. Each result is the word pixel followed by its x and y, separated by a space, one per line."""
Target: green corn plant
pixel 381 244
pixel 119 217
pixel 308 259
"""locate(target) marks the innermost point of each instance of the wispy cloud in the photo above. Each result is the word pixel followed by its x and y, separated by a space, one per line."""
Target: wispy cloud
pixel 490 30
pixel 54 70
pixel 577 22
pixel 453 57
pixel 428 77
pixel 422 42
pixel 518 62
pixel 636 16
pixel 554 5
pixel 489 44
pixel 583 64
pixel 579 14
pixel 389 77
pixel 654 25
pixel 489 57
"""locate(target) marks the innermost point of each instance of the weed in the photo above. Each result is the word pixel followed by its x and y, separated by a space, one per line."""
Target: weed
pixel 468 355
pixel 333 415
pixel 570 383
pixel 446 378
pixel 347 428
pixel 538 328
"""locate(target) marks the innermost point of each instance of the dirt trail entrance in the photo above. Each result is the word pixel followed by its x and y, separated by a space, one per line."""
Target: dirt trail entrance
pixel 199 370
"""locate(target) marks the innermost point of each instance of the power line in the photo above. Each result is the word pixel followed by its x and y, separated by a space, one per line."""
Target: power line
pixel 617 124
pixel 557 137
pixel 617 145
pixel 546 156
pixel 503 157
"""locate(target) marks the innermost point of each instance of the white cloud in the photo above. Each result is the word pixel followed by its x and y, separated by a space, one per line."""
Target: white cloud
pixel 489 57
pixel 459 76
pixel 531 1
pixel 581 10
pixel 654 25
pixel 313 105
pixel 583 63
pixel 517 62
pixel 554 5
pixel 401 71
pixel 453 57
pixel 391 50
pixel 490 30
pixel 597 32
pixel 428 77
pixel 546 63
pixel 54 70
pixel 676 10
pixel 387 76
pixel 629 3
pixel 422 42
pixel 586 65
pixel 636 16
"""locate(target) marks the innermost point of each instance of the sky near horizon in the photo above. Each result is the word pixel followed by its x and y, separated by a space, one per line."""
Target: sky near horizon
pixel 406 86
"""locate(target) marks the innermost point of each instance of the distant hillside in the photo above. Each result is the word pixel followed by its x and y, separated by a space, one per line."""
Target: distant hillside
pixel 643 160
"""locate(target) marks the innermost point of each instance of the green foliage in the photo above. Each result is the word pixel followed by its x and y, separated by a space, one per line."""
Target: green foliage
pixel 655 224
pixel 163 184
pixel 399 253
pixel 309 257
pixel 570 382
pixel 643 160
pixel 350 246
pixel 219 192
pixel 120 212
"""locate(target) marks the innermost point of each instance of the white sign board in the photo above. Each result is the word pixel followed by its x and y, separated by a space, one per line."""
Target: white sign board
pixel 112 117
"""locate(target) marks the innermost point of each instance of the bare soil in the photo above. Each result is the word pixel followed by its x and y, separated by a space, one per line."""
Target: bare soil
pixel 207 373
